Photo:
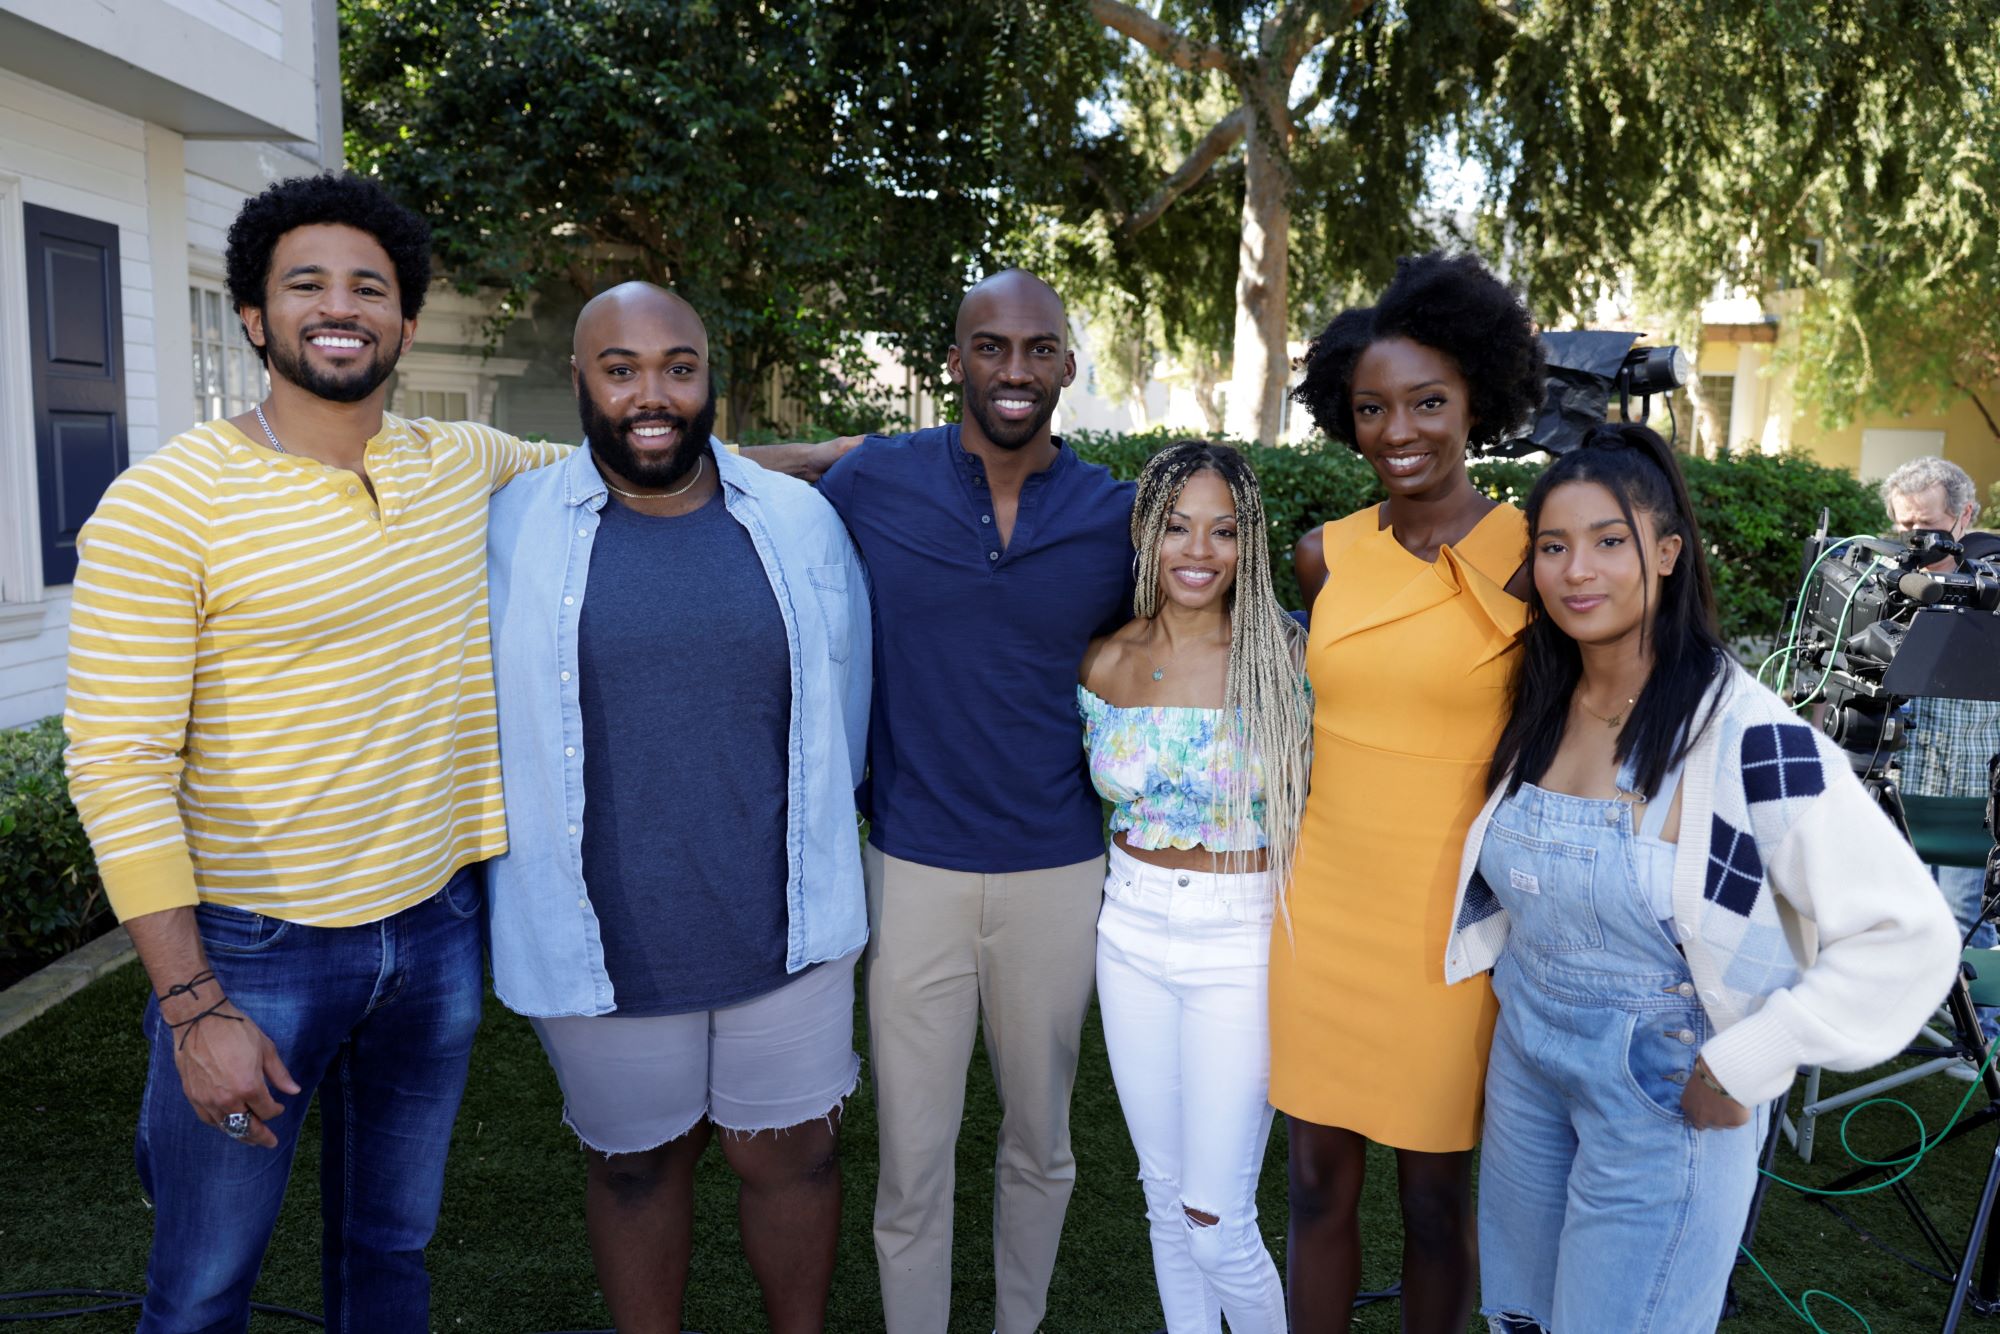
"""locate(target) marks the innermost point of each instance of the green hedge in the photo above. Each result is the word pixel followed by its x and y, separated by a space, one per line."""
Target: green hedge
pixel 51 900
pixel 1755 509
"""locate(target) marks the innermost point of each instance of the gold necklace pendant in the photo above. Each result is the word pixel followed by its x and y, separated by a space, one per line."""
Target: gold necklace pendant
pixel 1615 719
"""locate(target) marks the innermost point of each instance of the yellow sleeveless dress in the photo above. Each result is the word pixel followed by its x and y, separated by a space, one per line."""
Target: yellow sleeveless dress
pixel 1409 663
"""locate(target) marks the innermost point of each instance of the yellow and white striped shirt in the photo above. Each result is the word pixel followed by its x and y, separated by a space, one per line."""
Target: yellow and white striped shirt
pixel 280 686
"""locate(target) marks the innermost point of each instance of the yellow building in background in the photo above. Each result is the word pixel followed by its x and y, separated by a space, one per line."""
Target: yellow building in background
pixel 1746 398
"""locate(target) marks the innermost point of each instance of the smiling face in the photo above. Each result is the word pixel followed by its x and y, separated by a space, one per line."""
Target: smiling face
pixel 332 321
pixel 1412 417
pixel 644 393
pixel 1599 580
pixel 1012 355
pixel 1198 551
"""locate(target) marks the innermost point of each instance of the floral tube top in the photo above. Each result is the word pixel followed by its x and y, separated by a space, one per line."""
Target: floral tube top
pixel 1169 770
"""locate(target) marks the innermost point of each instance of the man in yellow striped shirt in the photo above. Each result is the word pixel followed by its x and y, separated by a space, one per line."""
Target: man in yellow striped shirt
pixel 283 745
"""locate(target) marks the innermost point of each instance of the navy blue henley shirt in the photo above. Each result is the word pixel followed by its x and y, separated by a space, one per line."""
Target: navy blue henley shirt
pixel 975 748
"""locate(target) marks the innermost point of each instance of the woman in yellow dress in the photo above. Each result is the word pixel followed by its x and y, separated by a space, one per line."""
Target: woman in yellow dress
pixel 1418 603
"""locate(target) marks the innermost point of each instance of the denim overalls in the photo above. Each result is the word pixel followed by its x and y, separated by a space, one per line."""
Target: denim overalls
pixel 1600 1208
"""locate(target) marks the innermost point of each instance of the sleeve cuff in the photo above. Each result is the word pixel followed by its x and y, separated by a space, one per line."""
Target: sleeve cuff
pixel 1755 1060
pixel 150 884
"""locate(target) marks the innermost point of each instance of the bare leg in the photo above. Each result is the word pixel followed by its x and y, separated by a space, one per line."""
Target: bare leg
pixel 788 1209
pixel 1440 1241
pixel 1323 1254
pixel 639 1211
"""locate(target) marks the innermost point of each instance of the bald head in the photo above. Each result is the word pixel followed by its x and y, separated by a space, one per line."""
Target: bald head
pixel 1011 354
pixel 631 314
pixel 645 394
pixel 1015 294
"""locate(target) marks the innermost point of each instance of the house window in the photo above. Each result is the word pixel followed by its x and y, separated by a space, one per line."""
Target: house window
pixel 228 378
pixel 445 405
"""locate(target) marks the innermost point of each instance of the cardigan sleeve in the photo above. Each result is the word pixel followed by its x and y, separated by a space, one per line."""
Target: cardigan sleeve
pixel 1888 947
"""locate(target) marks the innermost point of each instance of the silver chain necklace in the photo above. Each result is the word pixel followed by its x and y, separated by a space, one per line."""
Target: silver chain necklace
pixel 681 490
pixel 269 434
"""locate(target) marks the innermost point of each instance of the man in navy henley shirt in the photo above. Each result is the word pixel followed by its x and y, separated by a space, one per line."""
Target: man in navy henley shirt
pixel 996 555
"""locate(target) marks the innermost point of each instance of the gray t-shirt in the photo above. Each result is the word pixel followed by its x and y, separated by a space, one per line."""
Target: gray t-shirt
pixel 685 689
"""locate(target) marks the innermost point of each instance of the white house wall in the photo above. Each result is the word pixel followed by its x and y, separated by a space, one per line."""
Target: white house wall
pixel 76 156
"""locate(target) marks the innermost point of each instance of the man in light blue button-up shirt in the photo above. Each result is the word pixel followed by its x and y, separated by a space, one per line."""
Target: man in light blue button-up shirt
pixel 682 656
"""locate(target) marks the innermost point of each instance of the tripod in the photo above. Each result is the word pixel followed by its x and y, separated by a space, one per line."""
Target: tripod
pixel 1969 990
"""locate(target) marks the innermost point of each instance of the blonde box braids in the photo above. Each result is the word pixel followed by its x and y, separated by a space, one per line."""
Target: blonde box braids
pixel 1265 703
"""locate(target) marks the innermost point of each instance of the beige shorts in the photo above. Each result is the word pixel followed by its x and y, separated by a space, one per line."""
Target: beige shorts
pixel 632 1083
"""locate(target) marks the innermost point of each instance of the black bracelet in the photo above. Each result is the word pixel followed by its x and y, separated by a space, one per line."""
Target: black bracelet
pixel 211 1012
pixel 191 987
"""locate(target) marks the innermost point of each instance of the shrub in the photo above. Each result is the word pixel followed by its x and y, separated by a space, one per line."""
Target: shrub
pixel 1755 509
pixel 51 899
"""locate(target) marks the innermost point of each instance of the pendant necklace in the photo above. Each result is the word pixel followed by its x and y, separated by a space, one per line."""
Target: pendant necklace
pixel 680 490
pixel 1615 719
pixel 1159 672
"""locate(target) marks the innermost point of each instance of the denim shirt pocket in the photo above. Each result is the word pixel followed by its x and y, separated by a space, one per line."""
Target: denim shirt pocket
pixel 830 592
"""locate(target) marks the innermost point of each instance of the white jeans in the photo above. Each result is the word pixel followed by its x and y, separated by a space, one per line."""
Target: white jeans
pixel 1183 960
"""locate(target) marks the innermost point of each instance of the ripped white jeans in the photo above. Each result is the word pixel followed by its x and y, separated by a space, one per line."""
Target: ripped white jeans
pixel 1183 963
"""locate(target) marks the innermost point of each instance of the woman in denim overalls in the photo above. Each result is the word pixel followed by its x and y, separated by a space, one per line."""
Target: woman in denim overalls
pixel 1615 1175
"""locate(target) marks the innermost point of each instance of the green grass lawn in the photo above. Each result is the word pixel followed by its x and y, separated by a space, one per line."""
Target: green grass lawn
pixel 510 1253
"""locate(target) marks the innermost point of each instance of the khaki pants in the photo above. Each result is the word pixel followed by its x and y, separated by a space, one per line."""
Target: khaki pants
pixel 947 952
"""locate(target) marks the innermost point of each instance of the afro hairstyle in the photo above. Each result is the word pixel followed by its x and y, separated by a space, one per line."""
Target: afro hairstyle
pixel 1452 304
pixel 332 197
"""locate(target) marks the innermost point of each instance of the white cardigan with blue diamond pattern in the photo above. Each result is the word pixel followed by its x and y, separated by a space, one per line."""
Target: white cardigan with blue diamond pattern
pixel 1813 933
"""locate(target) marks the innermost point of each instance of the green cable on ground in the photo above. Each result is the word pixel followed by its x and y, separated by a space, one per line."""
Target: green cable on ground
pixel 1802 1308
pixel 1925 1143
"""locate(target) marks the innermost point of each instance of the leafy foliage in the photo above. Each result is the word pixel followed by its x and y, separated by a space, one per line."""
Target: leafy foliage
pixel 51 899
pixel 1844 151
pixel 802 174
pixel 1755 509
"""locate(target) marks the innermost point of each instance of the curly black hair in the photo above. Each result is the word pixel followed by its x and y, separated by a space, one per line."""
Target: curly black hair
pixel 332 197
pixel 1454 305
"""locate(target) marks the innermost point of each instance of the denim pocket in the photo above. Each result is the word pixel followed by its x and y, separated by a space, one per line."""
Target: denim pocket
pixel 830 592
pixel 1660 1047
pixel 237 930
pixel 1547 889
pixel 464 895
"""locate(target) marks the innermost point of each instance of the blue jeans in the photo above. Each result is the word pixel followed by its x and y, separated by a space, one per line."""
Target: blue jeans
pixel 378 1020
pixel 1964 888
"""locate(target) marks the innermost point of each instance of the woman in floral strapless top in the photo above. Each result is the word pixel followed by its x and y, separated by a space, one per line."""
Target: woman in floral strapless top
pixel 1197 720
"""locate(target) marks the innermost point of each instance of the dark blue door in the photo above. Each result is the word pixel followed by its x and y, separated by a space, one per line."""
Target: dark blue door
pixel 76 338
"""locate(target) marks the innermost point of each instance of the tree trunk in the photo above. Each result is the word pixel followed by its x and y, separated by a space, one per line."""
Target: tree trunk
pixel 1262 362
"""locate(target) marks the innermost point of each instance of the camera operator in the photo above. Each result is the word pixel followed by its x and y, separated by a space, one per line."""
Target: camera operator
pixel 1950 739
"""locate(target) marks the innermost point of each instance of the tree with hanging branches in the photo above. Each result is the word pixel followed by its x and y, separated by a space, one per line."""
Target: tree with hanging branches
pixel 1634 150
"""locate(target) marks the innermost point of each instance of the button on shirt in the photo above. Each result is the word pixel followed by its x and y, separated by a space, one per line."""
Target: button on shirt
pixel 974 752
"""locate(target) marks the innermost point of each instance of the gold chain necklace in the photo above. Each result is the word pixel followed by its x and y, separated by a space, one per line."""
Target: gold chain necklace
pixel 681 490
pixel 1615 719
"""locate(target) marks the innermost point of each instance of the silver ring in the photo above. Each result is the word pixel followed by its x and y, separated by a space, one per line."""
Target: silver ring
pixel 236 1125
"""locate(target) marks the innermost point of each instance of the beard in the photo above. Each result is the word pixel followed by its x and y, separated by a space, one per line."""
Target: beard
pixel 288 362
pixel 611 441
pixel 1006 434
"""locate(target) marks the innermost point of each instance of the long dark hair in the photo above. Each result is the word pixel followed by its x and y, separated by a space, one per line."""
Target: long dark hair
pixel 1638 469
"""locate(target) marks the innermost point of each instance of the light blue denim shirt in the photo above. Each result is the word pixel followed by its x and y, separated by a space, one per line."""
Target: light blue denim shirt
pixel 548 958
